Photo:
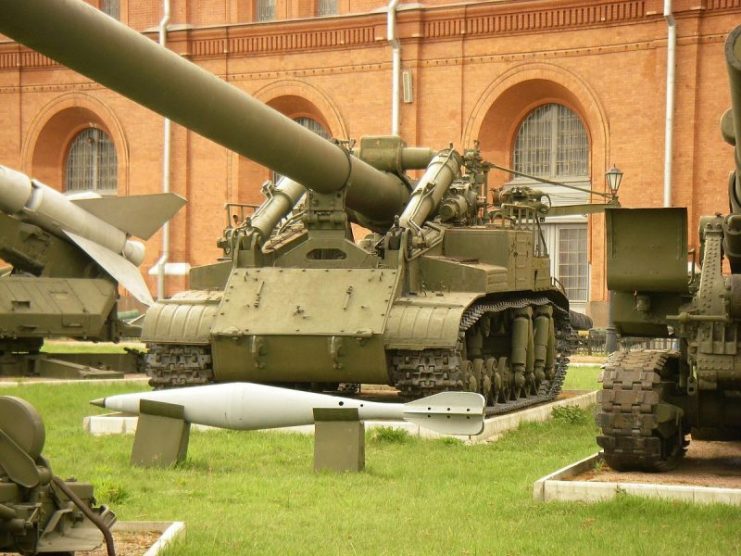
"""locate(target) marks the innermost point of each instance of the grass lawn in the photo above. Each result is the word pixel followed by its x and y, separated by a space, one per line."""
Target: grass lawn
pixel 582 378
pixel 256 493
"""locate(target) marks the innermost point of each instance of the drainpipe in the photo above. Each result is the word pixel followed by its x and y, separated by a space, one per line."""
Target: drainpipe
pixel 671 47
pixel 395 64
pixel 166 149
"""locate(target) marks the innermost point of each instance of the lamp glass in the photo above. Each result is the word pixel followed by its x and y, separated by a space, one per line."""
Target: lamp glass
pixel 614 177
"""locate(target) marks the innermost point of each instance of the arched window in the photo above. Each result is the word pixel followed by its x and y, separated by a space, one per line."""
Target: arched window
pixel 91 163
pixel 313 125
pixel 552 143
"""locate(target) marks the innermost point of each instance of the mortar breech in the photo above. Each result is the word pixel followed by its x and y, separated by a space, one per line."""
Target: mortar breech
pixel 431 188
pixel 284 197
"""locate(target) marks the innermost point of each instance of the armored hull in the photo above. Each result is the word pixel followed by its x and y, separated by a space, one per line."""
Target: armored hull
pixel 475 311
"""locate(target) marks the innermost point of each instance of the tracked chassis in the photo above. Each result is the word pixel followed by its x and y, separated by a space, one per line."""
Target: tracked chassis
pixel 418 373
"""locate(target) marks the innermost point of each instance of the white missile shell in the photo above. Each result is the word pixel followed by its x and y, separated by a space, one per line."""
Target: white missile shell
pixel 49 209
pixel 109 245
pixel 247 406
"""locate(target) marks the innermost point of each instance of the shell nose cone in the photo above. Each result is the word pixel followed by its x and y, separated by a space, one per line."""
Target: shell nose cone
pixel 100 402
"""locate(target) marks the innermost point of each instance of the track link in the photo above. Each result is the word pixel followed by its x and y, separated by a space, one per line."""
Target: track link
pixel 639 430
pixel 173 366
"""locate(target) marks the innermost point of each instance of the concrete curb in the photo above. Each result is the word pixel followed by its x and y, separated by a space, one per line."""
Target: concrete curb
pixel 171 531
pixel 556 486
pixel 494 427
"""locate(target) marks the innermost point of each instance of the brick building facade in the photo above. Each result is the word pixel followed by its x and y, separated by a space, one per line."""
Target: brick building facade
pixel 471 71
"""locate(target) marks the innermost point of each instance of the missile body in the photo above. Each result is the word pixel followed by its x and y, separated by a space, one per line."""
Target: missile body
pixel 247 406
pixel 108 244
pixel 47 208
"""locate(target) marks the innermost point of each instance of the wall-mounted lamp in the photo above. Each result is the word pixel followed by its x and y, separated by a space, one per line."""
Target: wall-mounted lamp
pixel 614 176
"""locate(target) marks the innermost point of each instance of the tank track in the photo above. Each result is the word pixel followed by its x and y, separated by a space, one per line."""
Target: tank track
pixel 422 373
pixel 636 433
pixel 175 366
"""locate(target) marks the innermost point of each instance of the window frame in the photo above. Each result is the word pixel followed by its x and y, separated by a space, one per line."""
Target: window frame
pixel 75 169
pixel 109 6
pixel 327 8
pixel 553 227
pixel 554 113
pixel 264 11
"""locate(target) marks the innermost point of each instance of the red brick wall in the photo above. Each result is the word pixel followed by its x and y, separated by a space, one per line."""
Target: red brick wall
pixel 477 69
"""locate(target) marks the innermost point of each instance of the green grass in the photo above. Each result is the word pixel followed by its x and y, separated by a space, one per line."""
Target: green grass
pixel 582 378
pixel 256 493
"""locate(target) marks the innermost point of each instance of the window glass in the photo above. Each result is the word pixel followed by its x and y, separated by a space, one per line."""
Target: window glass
pixel 264 10
pixel 552 143
pixel 91 163
pixel 313 125
pixel 326 7
pixel 111 8
pixel 573 271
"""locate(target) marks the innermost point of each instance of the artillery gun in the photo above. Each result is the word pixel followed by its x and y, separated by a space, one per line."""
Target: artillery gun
pixel 651 400
pixel 447 293
pixel 39 512
pixel 68 257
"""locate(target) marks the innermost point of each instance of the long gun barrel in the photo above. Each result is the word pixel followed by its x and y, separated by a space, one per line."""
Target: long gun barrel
pixel 97 46
pixel 731 122
pixel 731 129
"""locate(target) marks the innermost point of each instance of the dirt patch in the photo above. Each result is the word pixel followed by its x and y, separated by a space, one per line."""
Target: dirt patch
pixel 710 464
pixel 568 394
pixel 127 543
